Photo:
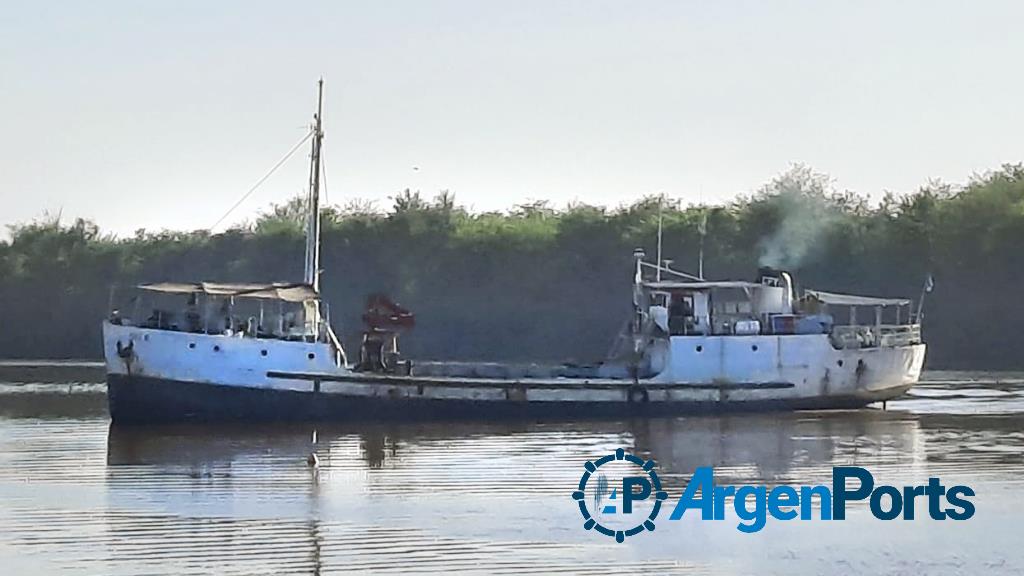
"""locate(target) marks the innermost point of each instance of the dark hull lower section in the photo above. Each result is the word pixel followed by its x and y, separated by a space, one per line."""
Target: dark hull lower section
pixel 143 400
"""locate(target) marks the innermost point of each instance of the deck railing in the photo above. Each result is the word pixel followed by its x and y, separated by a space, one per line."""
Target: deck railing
pixel 883 335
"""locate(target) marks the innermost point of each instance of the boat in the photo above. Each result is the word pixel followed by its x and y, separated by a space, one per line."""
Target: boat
pixel 267 352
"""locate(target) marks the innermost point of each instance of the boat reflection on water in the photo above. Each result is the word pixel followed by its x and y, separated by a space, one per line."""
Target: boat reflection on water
pixel 780 448
pixel 486 497
pixel 769 447
pixel 430 496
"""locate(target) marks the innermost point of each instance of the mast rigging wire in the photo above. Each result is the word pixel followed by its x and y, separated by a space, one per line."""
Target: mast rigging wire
pixel 264 178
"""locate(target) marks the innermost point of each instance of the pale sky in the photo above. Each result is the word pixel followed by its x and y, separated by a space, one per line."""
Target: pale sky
pixel 162 114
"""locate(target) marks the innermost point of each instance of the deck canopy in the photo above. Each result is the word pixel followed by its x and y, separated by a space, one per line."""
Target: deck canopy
pixel 851 300
pixel 671 285
pixel 284 291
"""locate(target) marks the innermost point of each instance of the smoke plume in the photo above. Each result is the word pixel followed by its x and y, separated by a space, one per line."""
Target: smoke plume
pixel 804 213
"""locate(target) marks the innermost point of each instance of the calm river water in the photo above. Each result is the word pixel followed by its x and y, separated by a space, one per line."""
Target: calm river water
pixel 78 496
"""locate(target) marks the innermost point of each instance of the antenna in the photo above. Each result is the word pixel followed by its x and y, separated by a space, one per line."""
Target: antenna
pixel 661 201
pixel 702 228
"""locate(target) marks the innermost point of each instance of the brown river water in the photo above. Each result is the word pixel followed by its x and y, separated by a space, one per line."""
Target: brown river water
pixel 78 496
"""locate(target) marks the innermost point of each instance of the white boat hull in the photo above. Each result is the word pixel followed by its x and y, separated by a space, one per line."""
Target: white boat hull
pixel 156 375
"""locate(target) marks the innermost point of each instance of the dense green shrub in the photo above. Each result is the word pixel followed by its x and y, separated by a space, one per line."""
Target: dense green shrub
pixel 541 282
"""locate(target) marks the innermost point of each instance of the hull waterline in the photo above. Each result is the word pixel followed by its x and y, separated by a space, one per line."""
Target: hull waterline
pixel 166 376
pixel 141 399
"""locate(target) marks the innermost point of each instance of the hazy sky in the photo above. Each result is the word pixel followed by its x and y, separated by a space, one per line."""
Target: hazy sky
pixel 162 114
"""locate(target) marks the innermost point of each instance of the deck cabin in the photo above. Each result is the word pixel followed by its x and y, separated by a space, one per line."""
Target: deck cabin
pixel 769 307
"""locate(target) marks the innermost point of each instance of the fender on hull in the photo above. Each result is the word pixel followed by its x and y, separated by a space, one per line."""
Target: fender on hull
pixel 142 400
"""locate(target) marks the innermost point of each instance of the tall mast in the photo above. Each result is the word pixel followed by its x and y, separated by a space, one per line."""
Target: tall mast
pixel 312 271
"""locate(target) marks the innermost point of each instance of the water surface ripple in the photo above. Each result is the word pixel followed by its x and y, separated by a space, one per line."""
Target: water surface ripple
pixel 79 496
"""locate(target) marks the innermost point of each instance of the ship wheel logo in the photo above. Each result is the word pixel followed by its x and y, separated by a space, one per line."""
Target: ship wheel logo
pixel 613 513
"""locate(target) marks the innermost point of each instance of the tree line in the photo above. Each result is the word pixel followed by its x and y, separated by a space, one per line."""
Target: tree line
pixel 539 282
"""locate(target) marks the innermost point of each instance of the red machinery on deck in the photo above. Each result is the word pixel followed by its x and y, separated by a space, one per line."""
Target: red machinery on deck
pixel 384 320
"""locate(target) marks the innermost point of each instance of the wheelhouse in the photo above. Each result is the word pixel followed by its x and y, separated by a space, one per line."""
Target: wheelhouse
pixel 697 307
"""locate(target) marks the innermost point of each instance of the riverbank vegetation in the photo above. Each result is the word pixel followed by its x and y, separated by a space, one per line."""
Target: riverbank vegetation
pixel 550 282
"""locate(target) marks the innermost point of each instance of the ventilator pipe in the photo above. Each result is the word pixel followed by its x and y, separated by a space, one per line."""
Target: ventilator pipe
pixel 787 291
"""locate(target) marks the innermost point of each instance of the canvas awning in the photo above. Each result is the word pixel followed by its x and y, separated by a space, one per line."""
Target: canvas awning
pixel 852 300
pixel 274 291
pixel 671 285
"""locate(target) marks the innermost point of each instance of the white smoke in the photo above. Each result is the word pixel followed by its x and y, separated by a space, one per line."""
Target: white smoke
pixel 801 199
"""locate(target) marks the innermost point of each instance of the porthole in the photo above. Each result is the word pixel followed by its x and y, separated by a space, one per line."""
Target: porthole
pixel 191 345
pixel 839 363
pixel 700 348
pixel 753 347
pixel 310 355
pixel 263 352
pixel 216 348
